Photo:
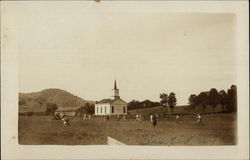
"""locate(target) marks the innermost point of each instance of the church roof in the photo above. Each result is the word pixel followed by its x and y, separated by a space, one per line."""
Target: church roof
pixel 109 100
pixel 106 101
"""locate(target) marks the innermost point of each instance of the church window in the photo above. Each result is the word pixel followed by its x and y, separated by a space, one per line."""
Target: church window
pixel 105 109
pixel 112 109
pixel 101 109
pixel 124 110
pixel 96 109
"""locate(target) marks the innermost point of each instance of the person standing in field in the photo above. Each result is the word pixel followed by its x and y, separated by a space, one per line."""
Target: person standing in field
pixel 137 117
pixel 177 118
pixel 199 122
pixel 84 116
pixel 106 117
pixel 157 117
pixel 89 116
pixel 141 118
pixel 154 121
pixel 65 121
pixel 78 115
pixel 118 117
pixel 151 118
pixel 61 115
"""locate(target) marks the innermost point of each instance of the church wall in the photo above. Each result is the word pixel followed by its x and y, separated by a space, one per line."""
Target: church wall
pixel 102 109
pixel 119 108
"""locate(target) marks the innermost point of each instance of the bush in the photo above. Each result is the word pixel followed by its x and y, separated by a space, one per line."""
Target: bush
pixel 50 108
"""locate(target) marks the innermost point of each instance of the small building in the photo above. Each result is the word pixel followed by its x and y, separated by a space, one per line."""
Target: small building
pixel 115 106
pixel 68 111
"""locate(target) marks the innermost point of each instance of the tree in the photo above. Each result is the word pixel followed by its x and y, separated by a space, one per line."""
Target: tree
pixel 203 99
pixel 214 98
pixel 86 109
pixel 223 99
pixel 50 108
pixel 171 102
pixel 192 101
pixel 164 101
pixel 133 104
pixel 146 103
pixel 90 108
pixel 232 99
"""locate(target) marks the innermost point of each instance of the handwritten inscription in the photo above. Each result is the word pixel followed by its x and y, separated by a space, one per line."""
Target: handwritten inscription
pixel 177 140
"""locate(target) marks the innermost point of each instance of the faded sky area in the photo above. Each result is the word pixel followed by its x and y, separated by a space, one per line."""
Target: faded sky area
pixel 82 48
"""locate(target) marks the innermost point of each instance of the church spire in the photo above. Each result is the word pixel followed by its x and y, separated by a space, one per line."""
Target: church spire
pixel 116 91
pixel 115 87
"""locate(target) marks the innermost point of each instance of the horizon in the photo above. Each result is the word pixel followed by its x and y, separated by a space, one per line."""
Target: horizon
pixel 111 96
pixel 84 51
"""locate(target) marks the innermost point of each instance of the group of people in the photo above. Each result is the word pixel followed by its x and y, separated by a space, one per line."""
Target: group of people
pixel 198 119
pixel 79 115
pixel 154 118
pixel 118 117
pixel 139 117
pixel 61 116
pixel 65 119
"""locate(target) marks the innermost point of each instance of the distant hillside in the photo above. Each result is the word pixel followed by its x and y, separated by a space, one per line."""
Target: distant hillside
pixel 36 101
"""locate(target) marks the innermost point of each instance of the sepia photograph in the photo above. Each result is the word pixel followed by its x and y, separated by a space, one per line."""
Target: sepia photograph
pixel 95 74
pixel 160 95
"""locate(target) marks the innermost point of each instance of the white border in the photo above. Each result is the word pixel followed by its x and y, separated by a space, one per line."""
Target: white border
pixel 9 91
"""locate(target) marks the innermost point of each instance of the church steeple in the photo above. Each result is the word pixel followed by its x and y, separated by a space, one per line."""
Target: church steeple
pixel 116 91
pixel 115 86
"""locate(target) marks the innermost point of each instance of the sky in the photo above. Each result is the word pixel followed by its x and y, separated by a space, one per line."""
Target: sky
pixel 84 48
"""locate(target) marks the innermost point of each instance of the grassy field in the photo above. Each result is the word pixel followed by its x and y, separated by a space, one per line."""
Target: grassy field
pixel 178 110
pixel 218 129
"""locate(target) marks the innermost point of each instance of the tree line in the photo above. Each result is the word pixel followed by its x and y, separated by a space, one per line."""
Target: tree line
pixel 228 99
pixel 135 104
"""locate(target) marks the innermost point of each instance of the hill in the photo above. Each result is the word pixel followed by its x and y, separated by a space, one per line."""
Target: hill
pixel 36 101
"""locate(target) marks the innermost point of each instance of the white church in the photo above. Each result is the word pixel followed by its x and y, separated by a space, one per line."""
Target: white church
pixel 115 106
